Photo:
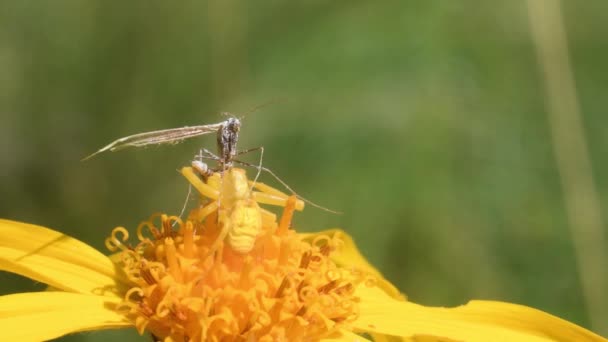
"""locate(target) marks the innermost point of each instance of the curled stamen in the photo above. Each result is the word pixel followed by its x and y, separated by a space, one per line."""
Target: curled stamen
pixel 163 309
pixel 134 291
pixel 333 275
pixel 147 276
pixel 285 284
pixel 328 287
pixel 167 223
pixel 114 242
pixel 321 240
pixel 129 257
pixel 316 260
pixel 268 280
pixel 134 275
pixel 158 269
pixel 325 250
pixel 144 245
pixel 126 306
pixel 151 228
pixel 307 294
pixel 305 260
pixel 301 311
pixel 345 289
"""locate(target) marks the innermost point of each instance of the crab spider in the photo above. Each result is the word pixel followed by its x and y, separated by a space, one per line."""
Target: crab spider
pixel 240 218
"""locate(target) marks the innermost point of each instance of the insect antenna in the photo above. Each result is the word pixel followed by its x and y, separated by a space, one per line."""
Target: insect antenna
pixel 254 109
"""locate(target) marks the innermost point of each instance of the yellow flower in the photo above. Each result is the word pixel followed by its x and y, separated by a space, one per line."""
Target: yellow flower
pixel 233 272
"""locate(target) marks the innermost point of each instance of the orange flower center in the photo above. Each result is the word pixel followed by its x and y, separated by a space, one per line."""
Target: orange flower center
pixel 191 284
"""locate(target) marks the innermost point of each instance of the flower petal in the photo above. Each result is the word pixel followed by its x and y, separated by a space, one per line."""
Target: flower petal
pixel 475 321
pixel 349 256
pixel 40 316
pixel 346 336
pixel 53 258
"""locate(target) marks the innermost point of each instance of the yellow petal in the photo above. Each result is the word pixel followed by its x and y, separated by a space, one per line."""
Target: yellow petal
pixel 349 256
pixel 53 258
pixel 345 336
pixel 475 321
pixel 40 316
pixel 388 338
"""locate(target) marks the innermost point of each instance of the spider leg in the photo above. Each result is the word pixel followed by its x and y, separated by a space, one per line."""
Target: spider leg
pixel 220 238
pixel 203 188
pixel 273 199
pixel 199 214
pixel 268 194
pixel 289 188
pixel 270 190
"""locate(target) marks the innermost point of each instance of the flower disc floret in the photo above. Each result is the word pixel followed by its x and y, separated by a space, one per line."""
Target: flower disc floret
pixel 285 288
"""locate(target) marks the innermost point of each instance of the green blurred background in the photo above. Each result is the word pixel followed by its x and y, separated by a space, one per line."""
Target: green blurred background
pixel 424 122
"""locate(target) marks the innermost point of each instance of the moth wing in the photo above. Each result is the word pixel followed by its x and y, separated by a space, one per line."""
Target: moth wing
pixel 163 136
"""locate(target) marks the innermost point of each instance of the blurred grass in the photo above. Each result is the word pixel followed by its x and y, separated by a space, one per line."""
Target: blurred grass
pixel 424 122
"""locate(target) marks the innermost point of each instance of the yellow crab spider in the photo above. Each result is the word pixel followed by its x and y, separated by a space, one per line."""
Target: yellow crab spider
pixel 239 217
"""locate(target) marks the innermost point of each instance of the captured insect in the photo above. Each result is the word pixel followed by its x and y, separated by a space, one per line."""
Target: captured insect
pixel 227 137
pixel 240 218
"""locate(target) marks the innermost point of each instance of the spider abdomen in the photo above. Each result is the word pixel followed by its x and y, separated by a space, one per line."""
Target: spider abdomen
pixel 246 224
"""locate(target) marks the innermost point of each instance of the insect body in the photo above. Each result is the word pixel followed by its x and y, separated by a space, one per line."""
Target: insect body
pixel 240 217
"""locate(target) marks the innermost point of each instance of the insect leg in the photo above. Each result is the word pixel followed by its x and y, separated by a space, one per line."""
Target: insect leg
pixel 185 204
pixel 208 154
pixel 259 166
pixel 241 152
